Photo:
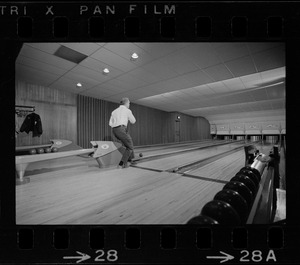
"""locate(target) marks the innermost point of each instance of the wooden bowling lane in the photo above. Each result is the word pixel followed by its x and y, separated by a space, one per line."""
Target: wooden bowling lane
pixel 225 168
pixel 152 150
pixel 181 159
pixel 86 195
pixel 222 169
pixel 150 153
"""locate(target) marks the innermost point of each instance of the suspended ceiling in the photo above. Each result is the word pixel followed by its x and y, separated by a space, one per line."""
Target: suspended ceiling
pixel 212 80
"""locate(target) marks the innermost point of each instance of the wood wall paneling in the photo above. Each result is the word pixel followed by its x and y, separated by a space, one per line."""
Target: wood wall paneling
pixel 57 109
pixel 153 126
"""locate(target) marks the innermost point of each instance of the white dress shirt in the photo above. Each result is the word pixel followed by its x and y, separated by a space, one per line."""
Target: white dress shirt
pixel 121 116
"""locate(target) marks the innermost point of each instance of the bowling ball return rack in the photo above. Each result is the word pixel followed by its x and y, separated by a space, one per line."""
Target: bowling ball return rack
pixel 263 204
pixel 106 153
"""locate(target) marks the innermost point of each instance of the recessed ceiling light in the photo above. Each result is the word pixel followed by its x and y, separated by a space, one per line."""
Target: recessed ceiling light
pixel 79 85
pixel 134 56
pixel 105 71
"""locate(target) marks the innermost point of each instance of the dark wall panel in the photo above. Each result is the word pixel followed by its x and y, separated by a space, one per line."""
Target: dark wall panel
pixel 190 128
pixel 93 117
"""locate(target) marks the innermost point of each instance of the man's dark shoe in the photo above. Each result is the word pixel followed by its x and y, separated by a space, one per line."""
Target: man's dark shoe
pixel 125 165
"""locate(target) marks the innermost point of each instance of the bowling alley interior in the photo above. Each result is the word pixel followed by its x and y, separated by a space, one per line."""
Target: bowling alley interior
pixel 209 137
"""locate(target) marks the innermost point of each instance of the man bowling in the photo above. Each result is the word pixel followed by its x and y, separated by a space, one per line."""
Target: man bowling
pixel 118 121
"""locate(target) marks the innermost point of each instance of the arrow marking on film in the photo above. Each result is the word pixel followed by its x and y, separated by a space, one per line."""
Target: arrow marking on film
pixel 81 258
pixel 224 258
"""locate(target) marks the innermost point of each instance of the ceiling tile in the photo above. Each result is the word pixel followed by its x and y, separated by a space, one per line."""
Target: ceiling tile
pixel 192 92
pixel 251 81
pixel 132 81
pixel 180 83
pixel 197 78
pixel 45 47
pixel 125 50
pixel 205 90
pixel 98 66
pixel 218 72
pixel 66 84
pixel 144 75
pixel 97 93
pixel 44 57
pixel 159 70
pixel 218 87
pixel 104 90
pixel 255 47
pixel 83 79
pixel 110 86
pixel 273 74
pixel 158 50
pixel 41 66
pixel 202 54
pixel 177 57
pixel 242 66
pixel 35 76
pixel 117 84
pixel 183 67
pixel 113 60
pixel 89 73
pixel 270 59
pixel 234 84
pixel 232 51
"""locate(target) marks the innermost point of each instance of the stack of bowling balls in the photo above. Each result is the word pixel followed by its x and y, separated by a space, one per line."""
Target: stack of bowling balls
pixel 42 150
pixel 231 205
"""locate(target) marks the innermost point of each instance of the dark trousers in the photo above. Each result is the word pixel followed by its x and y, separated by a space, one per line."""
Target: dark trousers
pixel 121 133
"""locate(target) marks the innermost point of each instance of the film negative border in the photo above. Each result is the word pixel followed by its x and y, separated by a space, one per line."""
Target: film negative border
pixel 145 21
pixel 130 244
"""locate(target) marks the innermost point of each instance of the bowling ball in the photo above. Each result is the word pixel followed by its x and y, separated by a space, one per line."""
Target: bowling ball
pixel 241 189
pixel 141 155
pixel 236 201
pixel 202 219
pixel 254 170
pixel 40 150
pixel 54 149
pixel 47 150
pixel 222 212
pixel 247 181
pixel 32 151
pixel 251 158
pixel 251 175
